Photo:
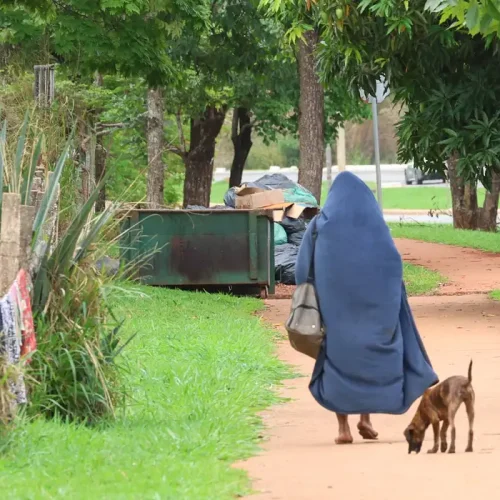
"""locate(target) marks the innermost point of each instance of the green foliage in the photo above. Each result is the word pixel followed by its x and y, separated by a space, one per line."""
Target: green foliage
pixel 445 79
pixel 478 16
pixel 294 17
pixel 197 385
pixel 290 149
pixel 72 373
pixel 446 234
pixel 108 35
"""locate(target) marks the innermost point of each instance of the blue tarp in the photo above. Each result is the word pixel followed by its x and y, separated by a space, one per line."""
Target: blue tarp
pixel 373 359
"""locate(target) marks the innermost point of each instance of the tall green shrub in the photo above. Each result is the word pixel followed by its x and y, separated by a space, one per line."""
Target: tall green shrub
pixel 73 373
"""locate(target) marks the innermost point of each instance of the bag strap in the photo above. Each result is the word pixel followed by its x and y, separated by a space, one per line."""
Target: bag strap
pixel 310 276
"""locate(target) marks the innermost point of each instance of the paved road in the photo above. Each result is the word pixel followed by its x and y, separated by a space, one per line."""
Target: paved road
pixel 420 219
pixel 392 175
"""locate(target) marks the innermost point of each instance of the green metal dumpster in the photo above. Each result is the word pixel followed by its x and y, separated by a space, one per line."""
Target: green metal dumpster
pixel 202 248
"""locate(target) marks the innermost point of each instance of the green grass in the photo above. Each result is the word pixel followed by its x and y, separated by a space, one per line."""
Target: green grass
pixel 421 281
pixel 200 369
pixel 420 198
pixel 444 233
pixel 495 295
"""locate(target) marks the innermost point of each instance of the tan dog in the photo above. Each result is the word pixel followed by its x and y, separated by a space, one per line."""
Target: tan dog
pixel 440 404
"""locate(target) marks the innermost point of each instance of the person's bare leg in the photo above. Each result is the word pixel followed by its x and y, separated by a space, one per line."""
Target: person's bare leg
pixel 365 428
pixel 345 436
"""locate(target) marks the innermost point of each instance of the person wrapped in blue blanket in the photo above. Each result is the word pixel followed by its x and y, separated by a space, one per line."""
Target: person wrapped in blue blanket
pixel 372 359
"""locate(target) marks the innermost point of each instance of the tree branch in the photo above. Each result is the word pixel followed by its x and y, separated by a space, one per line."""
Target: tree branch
pixel 234 126
pixel 182 139
pixel 249 125
pixel 174 149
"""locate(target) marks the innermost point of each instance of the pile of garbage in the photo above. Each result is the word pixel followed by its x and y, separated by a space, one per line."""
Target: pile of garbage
pixel 292 206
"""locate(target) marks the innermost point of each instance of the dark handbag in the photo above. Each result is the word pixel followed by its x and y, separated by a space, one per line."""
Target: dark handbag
pixel 304 325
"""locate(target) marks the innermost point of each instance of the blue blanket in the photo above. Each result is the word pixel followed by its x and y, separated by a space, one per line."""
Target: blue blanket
pixel 372 360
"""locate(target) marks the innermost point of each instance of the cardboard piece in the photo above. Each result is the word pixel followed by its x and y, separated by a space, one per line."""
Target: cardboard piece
pixel 279 206
pixel 258 199
pixel 278 215
pixel 295 211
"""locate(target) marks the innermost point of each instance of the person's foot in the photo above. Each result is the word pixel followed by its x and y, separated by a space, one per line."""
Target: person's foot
pixel 366 430
pixel 345 437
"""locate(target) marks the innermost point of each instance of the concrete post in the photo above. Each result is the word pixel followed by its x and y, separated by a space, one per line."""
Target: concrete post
pixel 341 154
pixel 10 240
pixel 328 155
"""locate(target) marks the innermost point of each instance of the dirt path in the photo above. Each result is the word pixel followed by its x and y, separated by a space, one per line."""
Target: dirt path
pixel 468 271
pixel 300 460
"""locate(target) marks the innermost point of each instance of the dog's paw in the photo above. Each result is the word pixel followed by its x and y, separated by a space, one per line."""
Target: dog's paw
pixel 469 449
pixel 432 451
pixel 451 450
pixel 444 447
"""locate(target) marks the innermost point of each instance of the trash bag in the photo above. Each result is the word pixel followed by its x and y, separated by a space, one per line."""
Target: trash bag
pixel 293 192
pixel 280 236
pixel 292 226
pixel 230 196
pixel 295 229
pixel 301 196
pixel 296 238
pixel 275 181
pixel 221 207
pixel 285 257
pixel 214 207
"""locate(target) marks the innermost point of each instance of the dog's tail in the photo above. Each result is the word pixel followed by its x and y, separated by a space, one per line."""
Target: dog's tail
pixel 469 374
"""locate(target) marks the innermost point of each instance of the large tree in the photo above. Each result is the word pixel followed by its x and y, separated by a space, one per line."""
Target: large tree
pixel 229 66
pixel 125 36
pixel 271 108
pixel 446 79
pixel 302 32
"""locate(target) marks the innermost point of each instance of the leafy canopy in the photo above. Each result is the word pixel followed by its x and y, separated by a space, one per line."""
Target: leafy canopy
pixel 129 36
pixel 446 79
pixel 478 16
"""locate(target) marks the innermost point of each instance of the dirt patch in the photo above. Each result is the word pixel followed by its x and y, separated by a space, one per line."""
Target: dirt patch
pixel 468 271
pixel 301 462
pixel 283 291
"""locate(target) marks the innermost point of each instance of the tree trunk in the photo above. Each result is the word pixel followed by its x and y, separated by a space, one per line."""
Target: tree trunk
pixel 311 117
pixel 199 161
pixel 242 141
pixel 464 199
pixel 101 155
pixel 155 133
pixel 88 170
pixel 488 213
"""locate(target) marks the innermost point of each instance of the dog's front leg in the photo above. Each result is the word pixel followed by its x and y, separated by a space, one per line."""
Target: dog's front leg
pixel 435 428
